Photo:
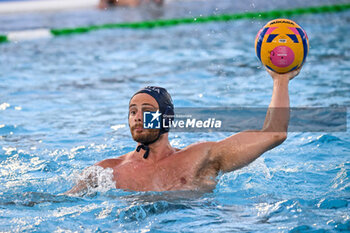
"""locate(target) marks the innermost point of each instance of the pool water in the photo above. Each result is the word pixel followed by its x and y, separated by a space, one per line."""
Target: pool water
pixel 64 103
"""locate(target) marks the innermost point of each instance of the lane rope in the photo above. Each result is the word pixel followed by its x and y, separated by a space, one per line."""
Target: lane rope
pixel 273 14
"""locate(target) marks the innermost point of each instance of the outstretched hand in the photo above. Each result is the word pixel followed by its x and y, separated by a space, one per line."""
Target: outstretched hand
pixel 289 76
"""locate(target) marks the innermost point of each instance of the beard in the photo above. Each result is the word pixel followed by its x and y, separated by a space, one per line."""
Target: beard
pixel 146 136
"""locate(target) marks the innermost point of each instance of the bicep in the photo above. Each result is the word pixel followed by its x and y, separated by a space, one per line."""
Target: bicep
pixel 241 149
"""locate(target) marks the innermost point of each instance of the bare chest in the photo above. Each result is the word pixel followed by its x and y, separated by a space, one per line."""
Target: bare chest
pixel 141 176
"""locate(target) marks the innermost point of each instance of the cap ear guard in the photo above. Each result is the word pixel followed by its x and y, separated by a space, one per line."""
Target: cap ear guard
pixel 167 117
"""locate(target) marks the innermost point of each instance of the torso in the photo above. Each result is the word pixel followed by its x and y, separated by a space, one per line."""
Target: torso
pixel 186 169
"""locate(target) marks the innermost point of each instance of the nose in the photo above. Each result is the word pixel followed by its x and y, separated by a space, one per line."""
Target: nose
pixel 138 116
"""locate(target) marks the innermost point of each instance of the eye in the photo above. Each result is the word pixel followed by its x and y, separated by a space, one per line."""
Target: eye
pixel 148 109
pixel 132 112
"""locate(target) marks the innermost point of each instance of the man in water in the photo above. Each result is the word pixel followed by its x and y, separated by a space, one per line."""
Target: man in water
pixel 156 166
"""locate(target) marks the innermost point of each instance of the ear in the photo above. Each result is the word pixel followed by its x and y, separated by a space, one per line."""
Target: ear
pixel 168 116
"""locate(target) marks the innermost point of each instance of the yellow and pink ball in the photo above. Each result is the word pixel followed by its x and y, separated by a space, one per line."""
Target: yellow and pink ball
pixel 282 45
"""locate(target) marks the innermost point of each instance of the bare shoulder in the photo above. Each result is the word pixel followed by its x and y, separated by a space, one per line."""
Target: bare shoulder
pixel 110 163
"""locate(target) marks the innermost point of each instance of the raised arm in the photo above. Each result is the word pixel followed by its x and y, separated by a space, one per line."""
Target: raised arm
pixel 241 149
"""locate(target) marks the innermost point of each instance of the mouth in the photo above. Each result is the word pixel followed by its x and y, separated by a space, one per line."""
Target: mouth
pixel 138 128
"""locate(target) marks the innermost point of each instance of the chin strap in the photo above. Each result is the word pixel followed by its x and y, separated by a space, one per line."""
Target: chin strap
pixel 144 147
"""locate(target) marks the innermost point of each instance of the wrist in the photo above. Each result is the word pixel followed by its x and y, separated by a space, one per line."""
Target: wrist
pixel 281 81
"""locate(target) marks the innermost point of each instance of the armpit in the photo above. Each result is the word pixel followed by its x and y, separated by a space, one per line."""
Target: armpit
pixel 210 170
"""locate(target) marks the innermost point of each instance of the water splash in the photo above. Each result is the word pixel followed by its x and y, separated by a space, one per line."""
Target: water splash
pixel 96 179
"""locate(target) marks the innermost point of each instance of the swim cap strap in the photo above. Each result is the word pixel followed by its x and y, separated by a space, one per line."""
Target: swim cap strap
pixel 144 147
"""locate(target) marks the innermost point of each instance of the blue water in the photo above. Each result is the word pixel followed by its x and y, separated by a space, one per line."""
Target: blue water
pixel 63 107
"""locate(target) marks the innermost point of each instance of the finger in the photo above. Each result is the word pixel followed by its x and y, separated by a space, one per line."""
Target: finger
pixel 294 73
pixel 270 71
pixel 297 71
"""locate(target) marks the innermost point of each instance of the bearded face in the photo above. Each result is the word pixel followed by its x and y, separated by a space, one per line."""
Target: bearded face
pixel 138 104
pixel 143 135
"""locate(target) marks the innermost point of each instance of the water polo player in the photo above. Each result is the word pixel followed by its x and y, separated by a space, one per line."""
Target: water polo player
pixel 154 165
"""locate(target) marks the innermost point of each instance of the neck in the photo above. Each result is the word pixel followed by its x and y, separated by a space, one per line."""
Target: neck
pixel 158 150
